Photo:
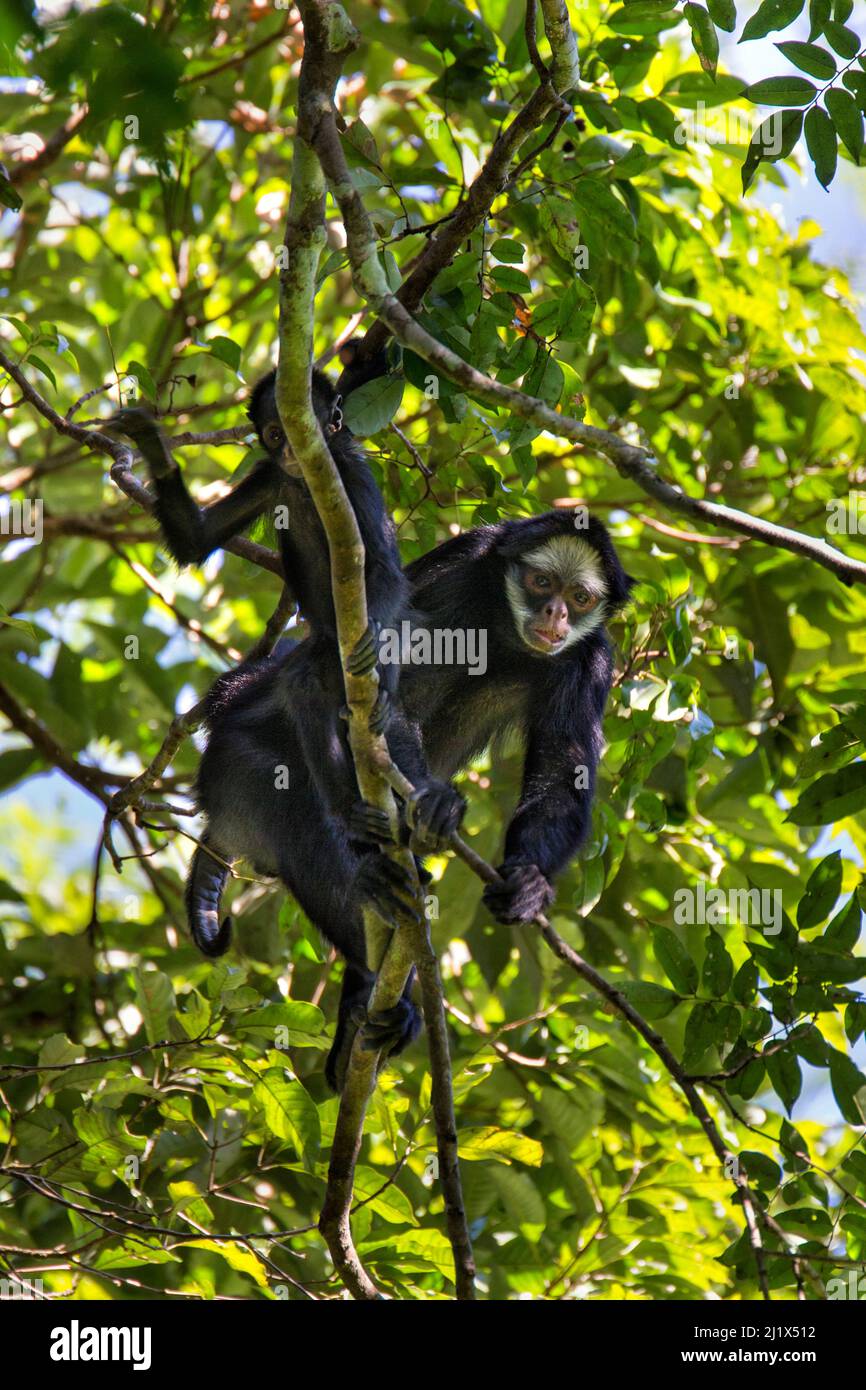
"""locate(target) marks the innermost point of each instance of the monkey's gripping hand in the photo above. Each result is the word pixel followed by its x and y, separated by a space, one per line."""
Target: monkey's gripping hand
pixel 137 423
pixel 433 813
pixel 524 893
pixel 385 886
pixel 363 656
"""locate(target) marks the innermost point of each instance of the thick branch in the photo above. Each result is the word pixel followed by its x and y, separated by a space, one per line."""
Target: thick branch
pixel 492 180
pixel 328 38
pixel 629 460
pixel 563 44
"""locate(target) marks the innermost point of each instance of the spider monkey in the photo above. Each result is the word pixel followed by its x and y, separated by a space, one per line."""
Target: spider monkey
pixel 542 589
pixel 317 837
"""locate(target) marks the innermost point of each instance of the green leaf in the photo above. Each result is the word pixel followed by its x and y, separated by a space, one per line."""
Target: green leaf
pixel 146 383
pixel 9 195
pixel 675 961
pixel 762 1170
pixel 786 1079
pixel 774 139
pixel 770 15
pixel 514 281
pixel 724 14
pixel 691 89
pixel 855 1022
pixel 821 144
pixel 822 890
pixel 290 1113
pixel 507 250
pixel 718 969
pixel 849 1088
pixel 844 41
pixel 805 1221
pixel 848 120
pixel 576 313
pixel 700 1034
pixel 745 983
pixel 781 91
pixel 705 40
pixel 225 350
pixel 373 406
pixel 238 1257
pixel 653 1001
pixel 808 57
pixel 643 17
pixel 819 13
pixel 42 366
pixel 155 998
pixel 832 797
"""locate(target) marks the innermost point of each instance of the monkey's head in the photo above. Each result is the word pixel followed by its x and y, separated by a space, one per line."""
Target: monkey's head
pixel 262 410
pixel 562 581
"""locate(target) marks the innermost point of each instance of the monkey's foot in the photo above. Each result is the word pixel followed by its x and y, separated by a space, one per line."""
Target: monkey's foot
pixel 391 1030
pixel 388 888
pixel 524 893
pixel 363 655
pixel 433 814
pixel 369 826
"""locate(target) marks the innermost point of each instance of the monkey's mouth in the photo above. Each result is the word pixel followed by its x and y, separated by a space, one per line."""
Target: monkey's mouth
pixel 289 464
pixel 545 639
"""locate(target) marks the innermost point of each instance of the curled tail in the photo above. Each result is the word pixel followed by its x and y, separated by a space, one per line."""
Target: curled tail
pixel 204 887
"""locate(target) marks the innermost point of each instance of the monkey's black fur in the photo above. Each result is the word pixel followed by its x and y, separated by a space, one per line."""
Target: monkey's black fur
pixel 256 737
pixel 285 714
pixel 554 703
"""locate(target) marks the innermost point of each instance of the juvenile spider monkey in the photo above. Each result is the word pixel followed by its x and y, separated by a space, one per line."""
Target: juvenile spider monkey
pixel 318 837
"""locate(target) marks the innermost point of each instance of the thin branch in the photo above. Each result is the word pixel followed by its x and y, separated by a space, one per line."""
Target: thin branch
pixel 26 169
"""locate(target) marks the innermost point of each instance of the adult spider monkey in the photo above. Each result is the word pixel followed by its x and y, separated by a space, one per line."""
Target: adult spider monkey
pixel 542 589
pixel 317 837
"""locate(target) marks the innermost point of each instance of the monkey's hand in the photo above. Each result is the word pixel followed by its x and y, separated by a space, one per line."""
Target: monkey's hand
pixel 389 1031
pixel 385 886
pixel 433 813
pixel 524 893
pixel 362 657
pixel 369 826
pixel 137 423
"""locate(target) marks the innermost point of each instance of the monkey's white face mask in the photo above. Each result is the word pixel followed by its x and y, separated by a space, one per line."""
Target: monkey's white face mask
pixel 557 594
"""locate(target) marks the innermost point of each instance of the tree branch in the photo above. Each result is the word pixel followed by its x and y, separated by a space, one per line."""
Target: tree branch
pixel 630 461
pixel 121 470
pixel 328 39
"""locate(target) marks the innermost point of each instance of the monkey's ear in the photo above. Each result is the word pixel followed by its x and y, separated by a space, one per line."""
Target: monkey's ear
pixel 620 586
pixel 359 368
pixel 349 351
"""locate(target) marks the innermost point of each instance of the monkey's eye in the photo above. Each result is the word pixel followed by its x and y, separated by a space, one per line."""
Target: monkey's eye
pixel 537 582
pixel 582 599
pixel 273 437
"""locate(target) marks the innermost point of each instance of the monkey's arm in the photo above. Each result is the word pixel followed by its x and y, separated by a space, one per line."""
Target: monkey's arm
pixel 554 813
pixel 191 533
